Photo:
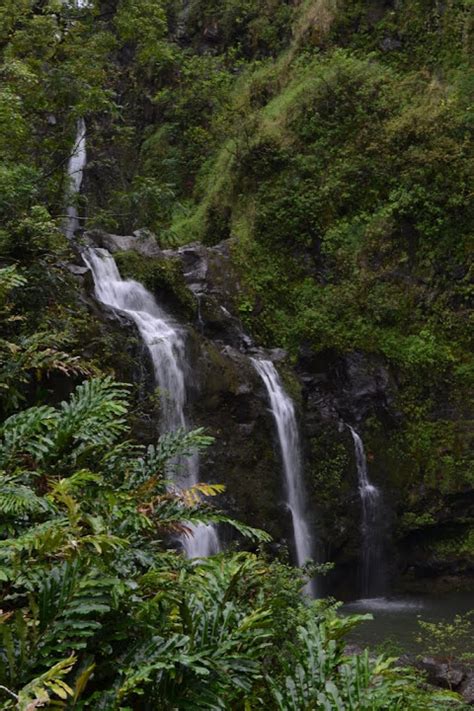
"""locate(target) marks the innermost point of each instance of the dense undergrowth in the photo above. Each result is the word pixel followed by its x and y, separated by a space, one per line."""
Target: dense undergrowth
pixel 331 141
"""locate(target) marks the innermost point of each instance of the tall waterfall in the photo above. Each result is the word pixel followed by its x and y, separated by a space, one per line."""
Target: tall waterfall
pixel 283 412
pixel 75 173
pixel 165 342
pixel 372 568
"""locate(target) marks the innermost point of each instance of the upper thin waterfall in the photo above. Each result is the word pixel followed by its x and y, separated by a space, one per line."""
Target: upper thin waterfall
pixel 165 341
pixel 372 569
pixel 75 173
pixel 283 412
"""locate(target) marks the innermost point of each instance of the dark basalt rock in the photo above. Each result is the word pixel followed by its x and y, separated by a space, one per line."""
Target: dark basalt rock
pixel 340 390
pixel 211 277
pixel 390 44
pixel 76 270
pixel 467 689
pixel 453 675
pixel 230 401
pixel 345 388
pixel 440 673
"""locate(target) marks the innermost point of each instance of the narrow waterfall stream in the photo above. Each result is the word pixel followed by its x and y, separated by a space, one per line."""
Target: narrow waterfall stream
pixel 165 342
pixel 75 173
pixel 283 412
pixel 372 576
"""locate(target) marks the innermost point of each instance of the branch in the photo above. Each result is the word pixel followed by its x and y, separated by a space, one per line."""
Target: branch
pixel 14 696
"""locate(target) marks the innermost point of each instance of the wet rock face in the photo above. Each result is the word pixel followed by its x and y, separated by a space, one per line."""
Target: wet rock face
pixel 454 675
pixel 230 402
pixel 337 391
pixel 331 390
pixel 467 689
pixel 441 673
pixel 141 241
pixel 206 272
pixel 211 277
pixel 344 389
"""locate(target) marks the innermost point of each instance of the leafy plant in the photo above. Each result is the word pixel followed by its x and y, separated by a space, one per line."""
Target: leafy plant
pixel 448 640
pixel 321 676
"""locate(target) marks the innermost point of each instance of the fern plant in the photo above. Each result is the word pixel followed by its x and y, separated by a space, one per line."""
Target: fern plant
pixel 81 511
pixel 322 676
pixel 23 356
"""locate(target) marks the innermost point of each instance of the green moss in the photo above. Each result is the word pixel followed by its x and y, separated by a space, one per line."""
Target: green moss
pixel 456 546
pixel 158 275
pixel 220 374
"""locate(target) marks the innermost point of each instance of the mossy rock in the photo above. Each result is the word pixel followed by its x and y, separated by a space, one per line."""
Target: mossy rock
pixel 162 276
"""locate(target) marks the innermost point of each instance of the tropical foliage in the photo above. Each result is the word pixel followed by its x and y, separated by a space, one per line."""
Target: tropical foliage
pixel 98 611
pixel 330 141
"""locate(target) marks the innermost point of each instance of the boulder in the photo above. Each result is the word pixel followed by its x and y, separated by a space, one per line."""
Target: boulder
pixel 467 689
pixel 77 270
pixel 141 241
pixel 440 673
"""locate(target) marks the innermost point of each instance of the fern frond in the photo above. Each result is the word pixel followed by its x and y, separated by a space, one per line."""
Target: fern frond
pixel 48 359
pixel 253 534
pixel 192 496
pixel 94 414
pixel 76 481
pixel 19 500
pixel 103 542
pixel 172 446
pixel 46 538
pixel 38 692
pixel 168 514
pixel 28 433
pixel 71 604
pixel 10 279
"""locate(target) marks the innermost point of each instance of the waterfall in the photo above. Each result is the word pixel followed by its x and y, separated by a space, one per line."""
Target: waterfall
pixel 75 173
pixel 165 342
pixel 283 412
pixel 372 568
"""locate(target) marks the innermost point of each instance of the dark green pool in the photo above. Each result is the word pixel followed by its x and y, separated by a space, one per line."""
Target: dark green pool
pixel 395 618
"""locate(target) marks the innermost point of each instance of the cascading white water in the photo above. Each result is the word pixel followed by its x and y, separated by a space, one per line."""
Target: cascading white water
pixel 283 412
pixel 372 573
pixel 80 4
pixel 75 174
pixel 165 342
